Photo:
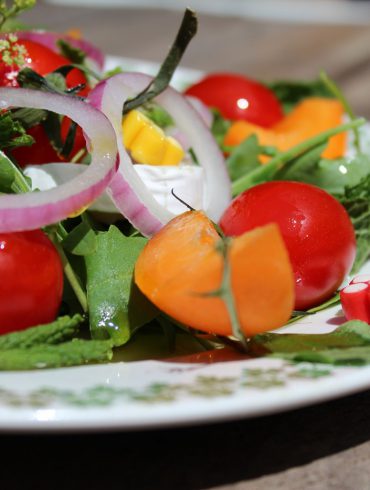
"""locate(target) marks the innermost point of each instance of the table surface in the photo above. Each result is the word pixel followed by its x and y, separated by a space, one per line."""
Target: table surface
pixel 326 446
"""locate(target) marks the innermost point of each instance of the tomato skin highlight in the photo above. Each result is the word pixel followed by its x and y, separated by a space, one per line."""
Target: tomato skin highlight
pixel 316 229
pixel 238 97
pixel 31 283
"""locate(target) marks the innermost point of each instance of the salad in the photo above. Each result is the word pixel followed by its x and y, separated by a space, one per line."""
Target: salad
pixel 138 222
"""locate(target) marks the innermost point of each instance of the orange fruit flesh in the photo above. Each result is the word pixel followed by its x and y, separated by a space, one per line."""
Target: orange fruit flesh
pixel 181 264
pixel 309 118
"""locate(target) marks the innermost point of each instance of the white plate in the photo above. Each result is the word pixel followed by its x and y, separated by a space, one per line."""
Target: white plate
pixel 152 394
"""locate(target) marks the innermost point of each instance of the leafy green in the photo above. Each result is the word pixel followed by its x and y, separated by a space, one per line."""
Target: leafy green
pixel 12 180
pixel 73 353
pixel 244 158
pixel 12 133
pixel 81 240
pixel 351 334
pixel 349 344
pixel 268 171
pixel 356 200
pixel 158 115
pixel 73 54
pixel 219 127
pixel 161 81
pixel 62 329
pixel 352 356
pixel 111 296
pixel 291 92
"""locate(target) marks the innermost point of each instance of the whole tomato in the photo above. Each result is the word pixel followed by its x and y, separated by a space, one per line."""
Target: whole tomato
pixel 316 229
pixel 238 97
pixel 31 283
pixel 43 61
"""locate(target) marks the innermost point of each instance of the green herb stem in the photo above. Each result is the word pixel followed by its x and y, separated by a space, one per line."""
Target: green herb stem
pixel 70 274
pixel 335 90
pixel 267 171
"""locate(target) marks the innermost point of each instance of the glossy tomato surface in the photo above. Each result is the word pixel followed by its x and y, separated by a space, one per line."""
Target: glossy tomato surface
pixel 238 97
pixel 316 229
pixel 31 283
pixel 43 61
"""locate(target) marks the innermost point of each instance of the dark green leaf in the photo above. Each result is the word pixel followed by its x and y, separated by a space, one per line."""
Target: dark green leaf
pixel 12 179
pixel 75 55
pixel 161 81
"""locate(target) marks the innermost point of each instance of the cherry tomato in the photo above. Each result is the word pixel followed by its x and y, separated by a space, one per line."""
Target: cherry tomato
pixel 43 61
pixel 238 97
pixel 31 283
pixel 316 229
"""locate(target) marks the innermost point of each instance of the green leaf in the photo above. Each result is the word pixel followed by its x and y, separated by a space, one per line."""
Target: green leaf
pixel 12 179
pixel 73 353
pixel 290 92
pixel 111 296
pixel 302 167
pixel 62 329
pixel 161 81
pixel 244 157
pixel 12 132
pixel 220 126
pixel 353 356
pixel 349 345
pixel 75 55
pixel 351 334
pixel 81 240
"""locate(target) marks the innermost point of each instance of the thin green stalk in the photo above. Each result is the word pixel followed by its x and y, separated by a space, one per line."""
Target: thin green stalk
pixel 70 274
pixel 335 90
pixel 266 172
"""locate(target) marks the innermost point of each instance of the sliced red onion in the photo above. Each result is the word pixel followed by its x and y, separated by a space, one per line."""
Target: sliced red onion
pixel 203 110
pixel 37 209
pixel 49 39
pixel 128 191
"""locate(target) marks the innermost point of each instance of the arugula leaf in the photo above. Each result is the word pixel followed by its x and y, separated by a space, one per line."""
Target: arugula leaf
pixel 112 299
pixel 244 158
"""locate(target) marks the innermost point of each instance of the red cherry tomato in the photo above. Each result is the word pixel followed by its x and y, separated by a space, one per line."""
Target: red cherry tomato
pixel 316 229
pixel 43 61
pixel 31 283
pixel 238 97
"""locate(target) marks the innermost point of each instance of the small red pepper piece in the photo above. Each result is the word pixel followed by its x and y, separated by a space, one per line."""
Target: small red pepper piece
pixel 355 299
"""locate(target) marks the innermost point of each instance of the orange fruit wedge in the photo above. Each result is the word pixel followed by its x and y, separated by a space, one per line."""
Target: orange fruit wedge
pixel 309 118
pixel 182 264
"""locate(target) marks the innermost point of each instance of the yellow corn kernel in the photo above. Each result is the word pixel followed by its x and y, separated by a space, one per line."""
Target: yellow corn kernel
pixel 147 142
pixel 173 152
pixel 132 124
pixel 149 145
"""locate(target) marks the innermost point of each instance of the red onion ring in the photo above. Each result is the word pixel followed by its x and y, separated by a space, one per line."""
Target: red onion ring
pixel 127 190
pixel 36 209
